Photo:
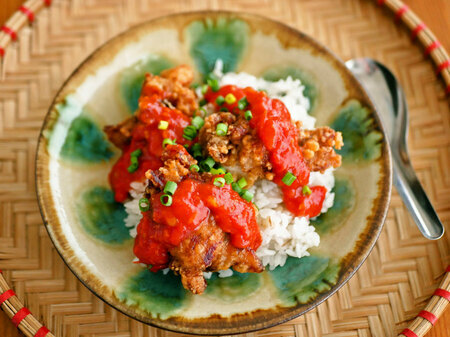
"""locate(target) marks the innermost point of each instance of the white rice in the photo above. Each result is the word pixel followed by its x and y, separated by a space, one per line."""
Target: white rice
pixel 283 234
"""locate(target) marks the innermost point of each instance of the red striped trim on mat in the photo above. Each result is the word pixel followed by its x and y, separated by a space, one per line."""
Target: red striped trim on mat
pixel 381 2
pixel 448 267
pixel 6 295
pixel 442 66
pixel 47 2
pixel 42 332
pixel 433 45
pixel 402 10
pixel 447 91
pixel 421 26
pixel 409 333
pixel 27 12
pixel 19 316
pixel 442 293
pixel 430 317
pixel 10 32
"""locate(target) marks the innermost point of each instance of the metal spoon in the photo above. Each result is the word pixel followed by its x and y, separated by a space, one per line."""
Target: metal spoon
pixel 389 100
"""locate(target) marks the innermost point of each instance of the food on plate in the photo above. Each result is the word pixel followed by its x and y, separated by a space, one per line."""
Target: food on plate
pixel 224 176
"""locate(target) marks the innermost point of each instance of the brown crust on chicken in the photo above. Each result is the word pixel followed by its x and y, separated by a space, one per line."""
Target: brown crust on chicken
pixel 120 134
pixel 240 145
pixel 177 162
pixel 174 83
pixel 209 247
pixel 318 148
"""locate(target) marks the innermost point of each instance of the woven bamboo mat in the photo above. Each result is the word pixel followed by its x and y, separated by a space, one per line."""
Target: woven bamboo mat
pixel 382 298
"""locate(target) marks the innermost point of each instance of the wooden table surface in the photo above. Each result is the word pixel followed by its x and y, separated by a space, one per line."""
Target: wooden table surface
pixel 436 14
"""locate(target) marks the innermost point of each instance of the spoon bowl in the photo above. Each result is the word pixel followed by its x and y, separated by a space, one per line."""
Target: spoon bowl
pixel 389 100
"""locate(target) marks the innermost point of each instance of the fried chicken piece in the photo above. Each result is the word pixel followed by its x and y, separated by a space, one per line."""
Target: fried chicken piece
pixel 177 162
pixel 209 249
pixel 318 148
pixel 174 83
pixel 254 159
pixel 239 145
pixel 120 134
pixel 220 148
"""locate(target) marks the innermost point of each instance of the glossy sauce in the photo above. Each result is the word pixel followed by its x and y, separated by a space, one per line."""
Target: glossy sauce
pixel 193 203
pixel 147 137
pixel 278 134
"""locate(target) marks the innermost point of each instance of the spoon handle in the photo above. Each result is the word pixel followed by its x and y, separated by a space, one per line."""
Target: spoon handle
pixel 416 199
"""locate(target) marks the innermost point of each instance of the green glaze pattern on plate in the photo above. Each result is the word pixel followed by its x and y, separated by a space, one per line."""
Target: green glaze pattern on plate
pixel 221 39
pixel 85 142
pixel 87 224
pixel 282 72
pixel 344 201
pixel 157 294
pixel 361 141
pixel 133 77
pixel 102 217
pixel 301 280
pixel 233 288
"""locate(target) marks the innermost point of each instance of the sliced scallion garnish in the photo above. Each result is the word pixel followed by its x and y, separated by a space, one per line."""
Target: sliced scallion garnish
pixel 163 125
pixel 288 179
pixel 306 190
pixel 166 199
pixel 221 129
pixel 170 187
pixel 144 204
pixel 219 182
pixel 228 178
pixel 230 98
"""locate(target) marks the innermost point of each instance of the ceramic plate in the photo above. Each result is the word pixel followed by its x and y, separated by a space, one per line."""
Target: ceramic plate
pixel 87 225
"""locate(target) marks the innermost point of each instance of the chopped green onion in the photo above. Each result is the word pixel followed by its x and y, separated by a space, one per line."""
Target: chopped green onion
pixel 194 168
pixel 133 167
pixel 170 187
pixel 248 115
pixel 223 109
pixel 236 188
pixel 134 160
pixel 168 141
pixel 219 182
pixel 195 85
pixel 166 199
pixel 306 190
pixel 196 150
pixel 198 122
pixel 228 178
pixel 202 102
pixel 242 103
pixel 144 204
pixel 230 98
pixel 220 100
pixel 186 146
pixel 242 182
pixel 221 129
pixel 189 132
pixel 136 153
pixel 203 111
pixel 246 195
pixel 163 125
pixel 213 83
pixel 207 164
pixel 288 179
pixel 204 88
pixel 215 171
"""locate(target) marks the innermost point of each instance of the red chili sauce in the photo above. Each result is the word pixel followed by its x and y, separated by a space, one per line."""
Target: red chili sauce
pixel 277 132
pixel 192 203
pixel 147 137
